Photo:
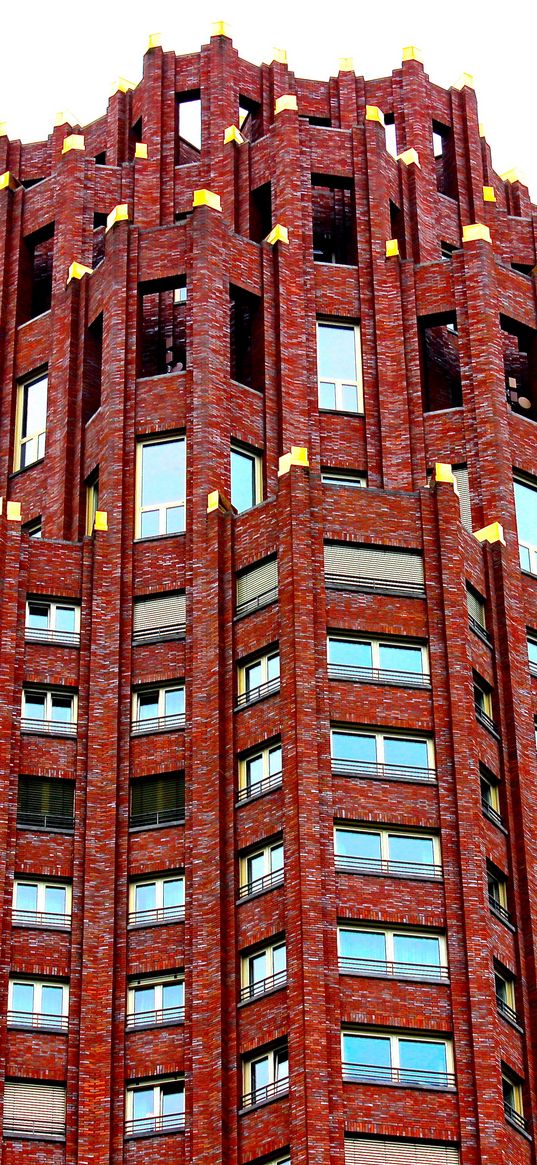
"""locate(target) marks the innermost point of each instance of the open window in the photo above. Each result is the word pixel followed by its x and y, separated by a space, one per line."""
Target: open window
pixel 333 216
pixel 444 159
pixel 35 278
pixel 188 136
pixel 250 119
pixel 440 362
pixel 519 345
pixel 162 326
pixel 246 349
pixel 93 366
pixel 260 212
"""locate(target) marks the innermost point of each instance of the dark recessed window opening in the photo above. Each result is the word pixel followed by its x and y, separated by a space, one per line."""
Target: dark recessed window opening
pixel 519 345
pixel 162 327
pixel 188 135
pixel 334 230
pixel 35 279
pixel 250 119
pixel 440 362
pixel 246 348
pixel 93 364
pixel 260 212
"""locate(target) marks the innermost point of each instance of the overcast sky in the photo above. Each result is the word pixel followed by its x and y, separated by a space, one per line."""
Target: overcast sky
pixel 66 55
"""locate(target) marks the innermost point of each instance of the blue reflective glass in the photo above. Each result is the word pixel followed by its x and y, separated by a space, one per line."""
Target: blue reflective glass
pixel 398 751
pixel 22 998
pixel 422 1056
pixel 417 949
pixel 336 352
pixel 397 658
pixel 163 472
pixel 366 1050
pixel 351 746
pixel 526 512
pixel 243 495
pixel 350 843
pixel 362 944
pixel 416 850
pixel 349 653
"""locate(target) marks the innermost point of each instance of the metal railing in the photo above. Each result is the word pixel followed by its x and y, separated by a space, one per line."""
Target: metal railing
pixel 479 630
pixel 157 1017
pixel 486 721
pixel 53 821
pixel 37 1020
pixel 256 602
pixel 507 1011
pixel 256 788
pixel 378 675
pixel 157 915
pixel 411 1077
pixel 43 1129
pixel 263 986
pixel 48 727
pixel 159 634
pixel 354 865
pixel 382 967
pixel 380 586
pixel 266 1092
pixel 158 724
pixel 176 815
pixel 265 883
pixel 50 635
pixel 165 1123
pixel 48 920
pixel 382 772
pixel 491 813
pixel 515 1117
pixel 500 910
pixel 258 693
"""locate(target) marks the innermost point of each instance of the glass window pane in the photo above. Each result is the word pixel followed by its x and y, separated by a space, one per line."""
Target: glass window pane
pixel 51 1000
pixel 349 398
pixel 174 702
pixel 373 1051
pixel 273 666
pixel 258 967
pixel 411 948
pixel 22 998
pixel 145 896
pixel 175 519
pixel 352 746
pixel 25 897
pixel 281 1065
pixel 144 1000
pixel 149 526
pixel 35 411
pixel 173 995
pixel 172 1099
pixel 276 858
pixel 349 653
pixel 327 395
pixel 336 354
pixel 38 616
pixel 397 658
pixel 351 843
pixel 65 618
pixel 253 675
pixel 279 959
pixel 422 1056
pixel 275 760
pixel 61 709
pixel 255 867
pixel 526 513
pixel 174 892
pixel 361 944
pixel 147 705
pixel 142 1103
pixel 398 751
pixel 260 1073
pixel 163 472
pixel 34 705
pixel 417 850
pixel 532 650
pixel 55 900
pixel 242 480
pixel 254 770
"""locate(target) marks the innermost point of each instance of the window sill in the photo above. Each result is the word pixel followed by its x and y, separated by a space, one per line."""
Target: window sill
pixel 248 897
pixel 341 412
pixel 135 828
pixel 156 637
pixel 263 1103
pixel 515 1125
pixel 159 537
pixel 256 791
pixel 39 1135
pixel 139 1135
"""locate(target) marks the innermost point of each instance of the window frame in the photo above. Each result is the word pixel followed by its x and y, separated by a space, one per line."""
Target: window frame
pixel 48 726
pixel 38 1019
pixel 161 507
pixel 498 902
pixel 416 971
pixel 397 1075
pixel 384 867
pixel 376 673
pixel 36 917
pixel 255 457
pixel 51 634
pixel 159 1123
pixel 248 790
pixel 275 1087
pixel 21 437
pixel 250 695
pixel 159 914
pixel 273 981
pixel 530 547
pixel 378 769
pixel 158 1013
pixel 532 640
pixel 269 879
pixel 514 1107
pixel 161 722
pixel 506 1006
pixel 338 383
pixel 347 478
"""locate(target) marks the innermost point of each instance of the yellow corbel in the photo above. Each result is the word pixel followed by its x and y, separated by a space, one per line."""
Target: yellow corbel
pixel 475 230
pixel 73 141
pixel 492 533
pixel 120 213
pixel 77 270
pixel 297 456
pixel 207 198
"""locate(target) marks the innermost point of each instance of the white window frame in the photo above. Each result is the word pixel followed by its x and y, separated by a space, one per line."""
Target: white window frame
pixel 161 507
pixel 269 780
pixel 529 546
pixel 269 879
pixel 532 640
pixel 386 866
pixel 47 724
pixel 276 1086
pixel 22 438
pixel 395 1039
pixel 507 1006
pixel 256 459
pixel 156 1122
pixel 247 695
pixel 159 914
pixel 391 967
pixel 51 634
pixel 36 1018
pixel 379 768
pixel 272 981
pixel 376 673
pixel 161 722
pixel 157 1017
pixel 348 478
pixel 40 917
pixel 338 384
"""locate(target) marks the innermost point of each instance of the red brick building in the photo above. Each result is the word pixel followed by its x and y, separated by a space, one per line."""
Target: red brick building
pixel 268 828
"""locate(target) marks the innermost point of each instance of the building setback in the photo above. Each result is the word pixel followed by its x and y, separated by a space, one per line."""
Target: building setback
pixel 268 836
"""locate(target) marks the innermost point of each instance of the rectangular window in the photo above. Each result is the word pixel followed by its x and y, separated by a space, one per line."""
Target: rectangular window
pixel 35 273
pixel 263 969
pixel 162 326
pixel 333 219
pixel 41 903
pixel 444 160
pixel 52 621
pixel 374 569
pixel 345 477
pixel 46 803
pixel 382 755
pixel 378 661
pixel 156 1106
pixel 259 771
pixel 532 654
pixel 526 518
pixel 161 487
pixel 92 500
pixel 156 900
pixel 157 800
pixel 30 421
pixel 33 1108
pixel 497 892
pixel 261 869
pixel 265 1076
pixel 258 678
pixel 156 1001
pixel 476 613
pixel 363 1150
pixel 519 345
pixel 483 704
pixel 504 984
pixel 188 142
pixel 159 617
pixel 52 712
pixel 440 362
pixel 42 1004
pixel 360 850
pixel 339 367
pixel 383 1057
pixel 246 341
pixel 512 1098
pixel 390 136
pixel 257 586
pixel 403 954
pixel 490 796
pixel 246 478
pixel 158 709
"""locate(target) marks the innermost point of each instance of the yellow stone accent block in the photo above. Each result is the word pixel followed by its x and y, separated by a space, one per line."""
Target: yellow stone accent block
pixel 373 113
pixel 443 472
pixel 475 230
pixel 7 181
pixel 232 134
pixel 488 194
pixel 278 234
pixel 216 500
pixel 392 248
pixel 207 198
pixel 412 53
pixel 65 117
pixel 122 86
pixel 155 41
pixel 492 533
pixel 220 28
pixel 280 56
pixel 101 520
pixel 297 456
pixel 74 141
pixel 120 213
pixel 286 101
pixel 140 150
pixel 13 511
pixel 410 157
pixel 481 129
pixel 3 129
pixel 346 65
pixel 465 81
pixel 77 270
pixel 514 176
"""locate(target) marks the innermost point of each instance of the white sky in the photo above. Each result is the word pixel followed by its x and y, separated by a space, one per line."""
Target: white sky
pixel 66 55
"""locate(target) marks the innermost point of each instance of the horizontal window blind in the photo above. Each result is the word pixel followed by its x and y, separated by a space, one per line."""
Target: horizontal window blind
pixel 34 1108
pixel 162 793
pixel 380 1151
pixel 257 583
pixel 371 567
pixel 48 796
pixel 460 473
pixel 476 607
pixel 159 615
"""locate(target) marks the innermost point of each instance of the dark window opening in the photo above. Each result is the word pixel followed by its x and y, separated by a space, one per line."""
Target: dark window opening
pixel 260 212
pixel 35 281
pixel 188 134
pixel 93 364
pixel 397 229
pixel 323 122
pixel 28 182
pixel 157 800
pixel 100 159
pixel 447 249
pixel 519 345
pixel 250 119
pixel 34 528
pixel 440 362
pixel 334 234
pixel 182 216
pixel 99 229
pixel 45 803
pixel 390 135
pixel 522 268
pixel 135 136
pixel 444 160
pixel 162 327
pixel 246 347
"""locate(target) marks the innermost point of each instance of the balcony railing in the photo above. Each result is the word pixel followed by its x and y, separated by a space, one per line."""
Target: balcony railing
pixel 515 1117
pixel 175 815
pixel 383 967
pixel 159 634
pixel 377 866
pixel 409 1077
pixel 48 920
pixel 158 724
pixel 256 788
pixel 48 727
pixel 37 1021
pixel 256 602
pixel 53 821
pixel 275 878
pixel 258 693
pixel 380 586
pixel 266 1092
pixel 374 675
pixel 479 630
pixel 49 635
pixel 486 721
pixel 381 772
pixel 263 986
pixel 144 1126
pixel 157 915
pixel 156 1018
pixel 507 1011
pixel 491 813
pixel 499 910
pixel 38 1126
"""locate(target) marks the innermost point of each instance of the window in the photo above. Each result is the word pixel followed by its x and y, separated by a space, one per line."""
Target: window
pixel 476 613
pixel 30 421
pixel 161 486
pixel 390 134
pixel 260 211
pixel 490 795
pixel 35 273
pixel 532 654
pixel 246 478
pixel 34 1109
pixel 360 850
pixel 37 1003
pixel 512 1098
pixel 258 678
pixel 345 477
pixel 92 500
pixel 257 586
pixel 444 160
pixel 46 803
pixel 339 367
pixel 519 345
pixel 156 900
pixel 378 661
pixel 34 528
pixel 155 1001
pixel 382 755
pixel 483 703
pixel 159 617
pixel 440 362
pixel 504 984
pixel 52 621
pixel 188 127
pixel 246 341
pixel 333 219
pixel 526 518
pixel 382 570
pixel 364 1150
pixel 389 1058
pixel 261 869
pixel 403 954
pixel 158 1106
pixel 93 363
pixel 52 712
pixel 162 326
pixel 497 891
pixel 260 771
pixel 263 970
pixel 41 903
pixel 265 1076
pixel 158 709
pixel 157 800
